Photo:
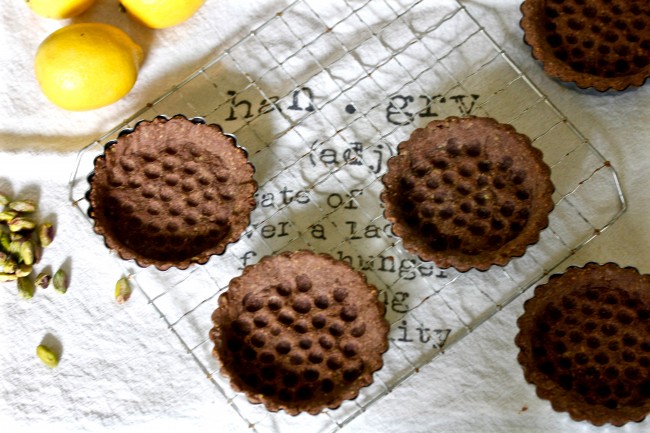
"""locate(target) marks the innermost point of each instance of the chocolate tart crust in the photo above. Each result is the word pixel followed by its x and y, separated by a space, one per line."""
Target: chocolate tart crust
pixel 171 192
pixel 584 341
pixel 467 192
pixel 602 44
pixel 299 332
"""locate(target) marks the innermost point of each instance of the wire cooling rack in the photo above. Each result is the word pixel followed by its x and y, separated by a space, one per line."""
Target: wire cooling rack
pixel 321 95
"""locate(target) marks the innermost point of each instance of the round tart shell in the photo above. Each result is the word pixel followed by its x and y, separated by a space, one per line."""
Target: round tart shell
pixel 584 341
pixel 299 332
pixel 467 192
pixel 602 44
pixel 171 192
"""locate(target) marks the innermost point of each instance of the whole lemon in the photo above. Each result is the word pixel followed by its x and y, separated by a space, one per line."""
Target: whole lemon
pixel 59 9
pixel 87 65
pixel 159 14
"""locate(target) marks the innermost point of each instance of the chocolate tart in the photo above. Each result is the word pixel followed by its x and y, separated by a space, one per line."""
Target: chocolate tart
pixel 467 192
pixel 299 332
pixel 171 192
pixel 602 44
pixel 584 341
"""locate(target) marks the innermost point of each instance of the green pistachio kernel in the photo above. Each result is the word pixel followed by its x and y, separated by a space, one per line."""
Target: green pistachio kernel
pixel 60 281
pixel 26 288
pixel 7 215
pixel 47 355
pixel 5 240
pixel 122 290
pixel 4 277
pixel 43 280
pixel 45 234
pixel 20 223
pixel 27 253
pixel 24 206
pixel 9 266
pixel 23 270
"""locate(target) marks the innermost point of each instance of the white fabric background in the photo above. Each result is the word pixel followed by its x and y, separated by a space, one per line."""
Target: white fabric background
pixel 123 371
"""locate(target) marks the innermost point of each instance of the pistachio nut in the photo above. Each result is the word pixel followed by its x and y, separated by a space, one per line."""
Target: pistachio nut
pixel 17 237
pixel 47 355
pixel 43 280
pixel 21 223
pixel 9 265
pixel 27 253
pixel 122 290
pixel 26 287
pixel 5 240
pixel 4 200
pixel 38 252
pixel 24 206
pixel 60 281
pixel 23 270
pixel 7 215
pixel 45 234
pixel 14 247
pixel 4 277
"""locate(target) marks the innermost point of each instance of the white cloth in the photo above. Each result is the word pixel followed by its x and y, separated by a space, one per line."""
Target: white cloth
pixel 122 370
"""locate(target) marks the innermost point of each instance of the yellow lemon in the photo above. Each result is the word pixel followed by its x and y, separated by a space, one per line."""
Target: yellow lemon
pixel 159 14
pixel 59 9
pixel 86 66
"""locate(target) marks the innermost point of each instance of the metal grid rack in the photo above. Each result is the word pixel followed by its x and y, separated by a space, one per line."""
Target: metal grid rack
pixel 321 95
